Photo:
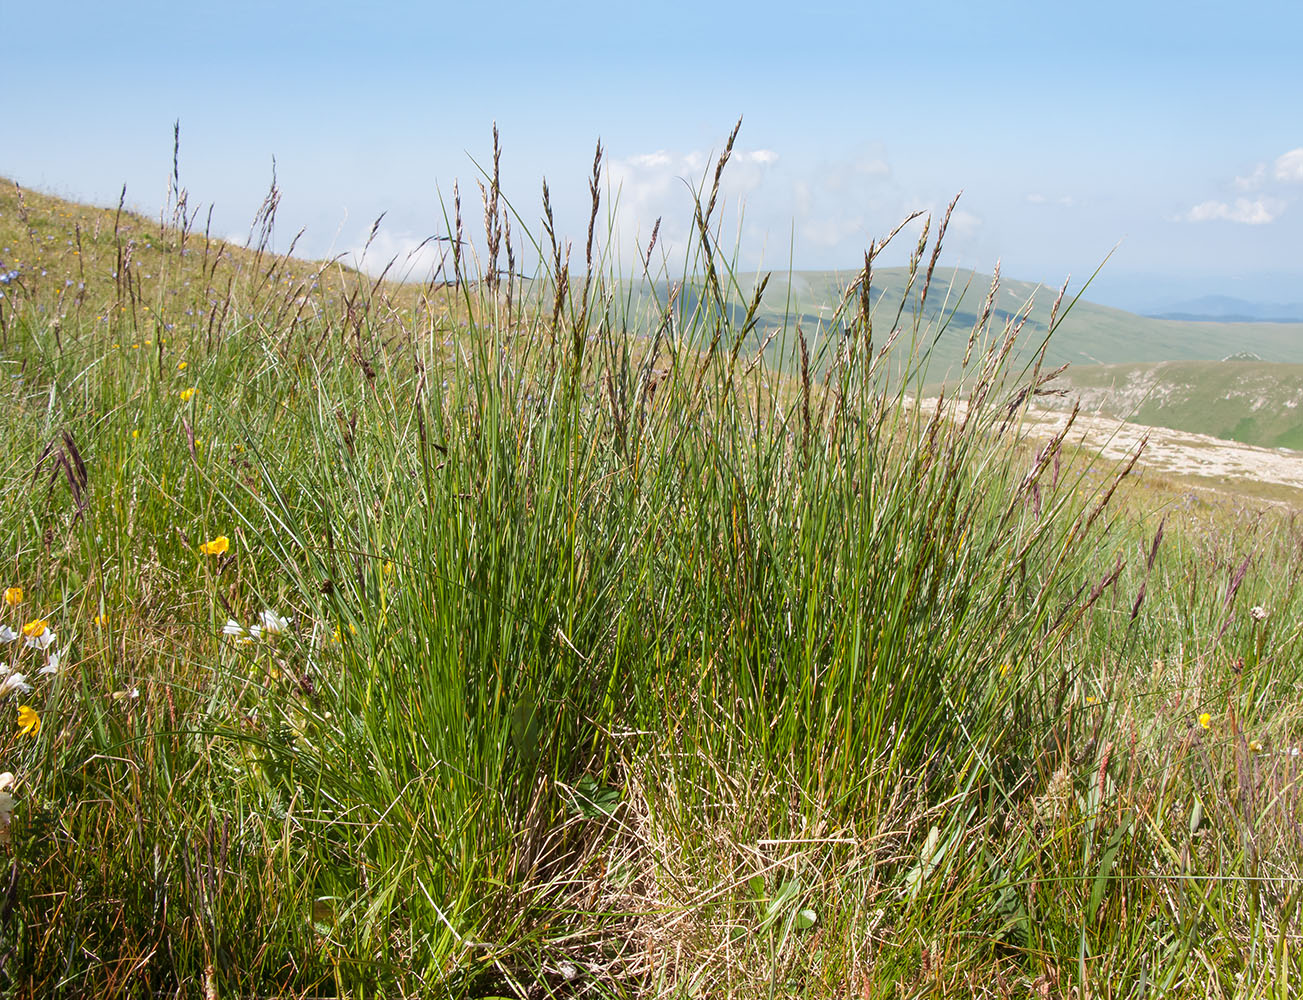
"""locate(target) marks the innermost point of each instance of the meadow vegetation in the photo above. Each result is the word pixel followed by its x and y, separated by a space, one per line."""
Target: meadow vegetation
pixel 495 637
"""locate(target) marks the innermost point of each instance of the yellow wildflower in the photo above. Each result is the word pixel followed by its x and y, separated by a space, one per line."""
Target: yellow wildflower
pixel 188 394
pixel 218 546
pixel 13 596
pixel 180 366
pixel 1206 720
pixel 29 723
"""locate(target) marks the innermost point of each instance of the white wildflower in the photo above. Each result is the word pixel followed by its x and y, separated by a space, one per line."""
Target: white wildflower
pixel 273 624
pixel 14 682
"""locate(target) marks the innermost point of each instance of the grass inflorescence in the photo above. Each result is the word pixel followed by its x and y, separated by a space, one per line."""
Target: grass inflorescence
pixel 507 636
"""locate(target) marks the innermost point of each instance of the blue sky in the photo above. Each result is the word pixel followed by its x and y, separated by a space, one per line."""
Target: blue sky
pixel 1170 129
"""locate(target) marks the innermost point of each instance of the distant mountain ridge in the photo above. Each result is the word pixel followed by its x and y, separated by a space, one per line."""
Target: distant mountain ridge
pixel 1228 309
pixel 1087 333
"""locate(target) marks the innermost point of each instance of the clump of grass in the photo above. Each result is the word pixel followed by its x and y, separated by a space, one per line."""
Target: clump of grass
pixel 555 635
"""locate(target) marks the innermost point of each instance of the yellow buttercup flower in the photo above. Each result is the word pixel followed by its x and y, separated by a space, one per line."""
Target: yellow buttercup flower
pixel 13 596
pixel 188 394
pixel 180 366
pixel 1206 720
pixel 35 629
pixel 29 723
pixel 218 546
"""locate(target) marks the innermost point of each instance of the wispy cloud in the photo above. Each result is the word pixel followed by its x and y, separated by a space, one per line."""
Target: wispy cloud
pixel 408 257
pixel 1252 180
pixel 1064 201
pixel 1257 212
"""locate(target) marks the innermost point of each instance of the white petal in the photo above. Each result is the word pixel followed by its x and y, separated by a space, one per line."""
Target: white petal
pixel 274 623
pixel 14 682
pixel 7 634
pixel 42 641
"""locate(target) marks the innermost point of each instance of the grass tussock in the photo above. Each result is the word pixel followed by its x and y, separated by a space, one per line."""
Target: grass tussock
pixel 516 636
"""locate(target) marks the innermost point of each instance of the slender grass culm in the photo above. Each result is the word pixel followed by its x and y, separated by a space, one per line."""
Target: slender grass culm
pixel 588 634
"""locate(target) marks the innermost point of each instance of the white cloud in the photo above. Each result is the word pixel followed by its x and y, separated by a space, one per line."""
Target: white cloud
pixel 1066 201
pixel 660 185
pixel 872 167
pixel 1289 166
pixel 1252 213
pixel 1253 180
pixel 651 161
pixel 964 223
pixel 414 258
pixel 830 231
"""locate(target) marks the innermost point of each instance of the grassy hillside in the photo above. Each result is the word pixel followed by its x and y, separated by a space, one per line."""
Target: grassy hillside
pixel 1089 334
pixel 1246 401
pixel 360 647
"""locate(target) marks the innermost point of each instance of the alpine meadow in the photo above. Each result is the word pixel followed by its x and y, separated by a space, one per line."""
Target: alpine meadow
pixel 542 630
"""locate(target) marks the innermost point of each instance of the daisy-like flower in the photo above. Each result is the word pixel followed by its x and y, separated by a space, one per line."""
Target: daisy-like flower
pixel 238 632
pixel 38 634
pixel 1206 720
pixel 13 596
pixel 216 547
pixel 272 623
pixel 51 664
pixel 29 722
pixel 14 682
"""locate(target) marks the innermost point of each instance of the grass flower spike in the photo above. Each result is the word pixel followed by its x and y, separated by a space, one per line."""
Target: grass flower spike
pixel 29 722
pixel 216 547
